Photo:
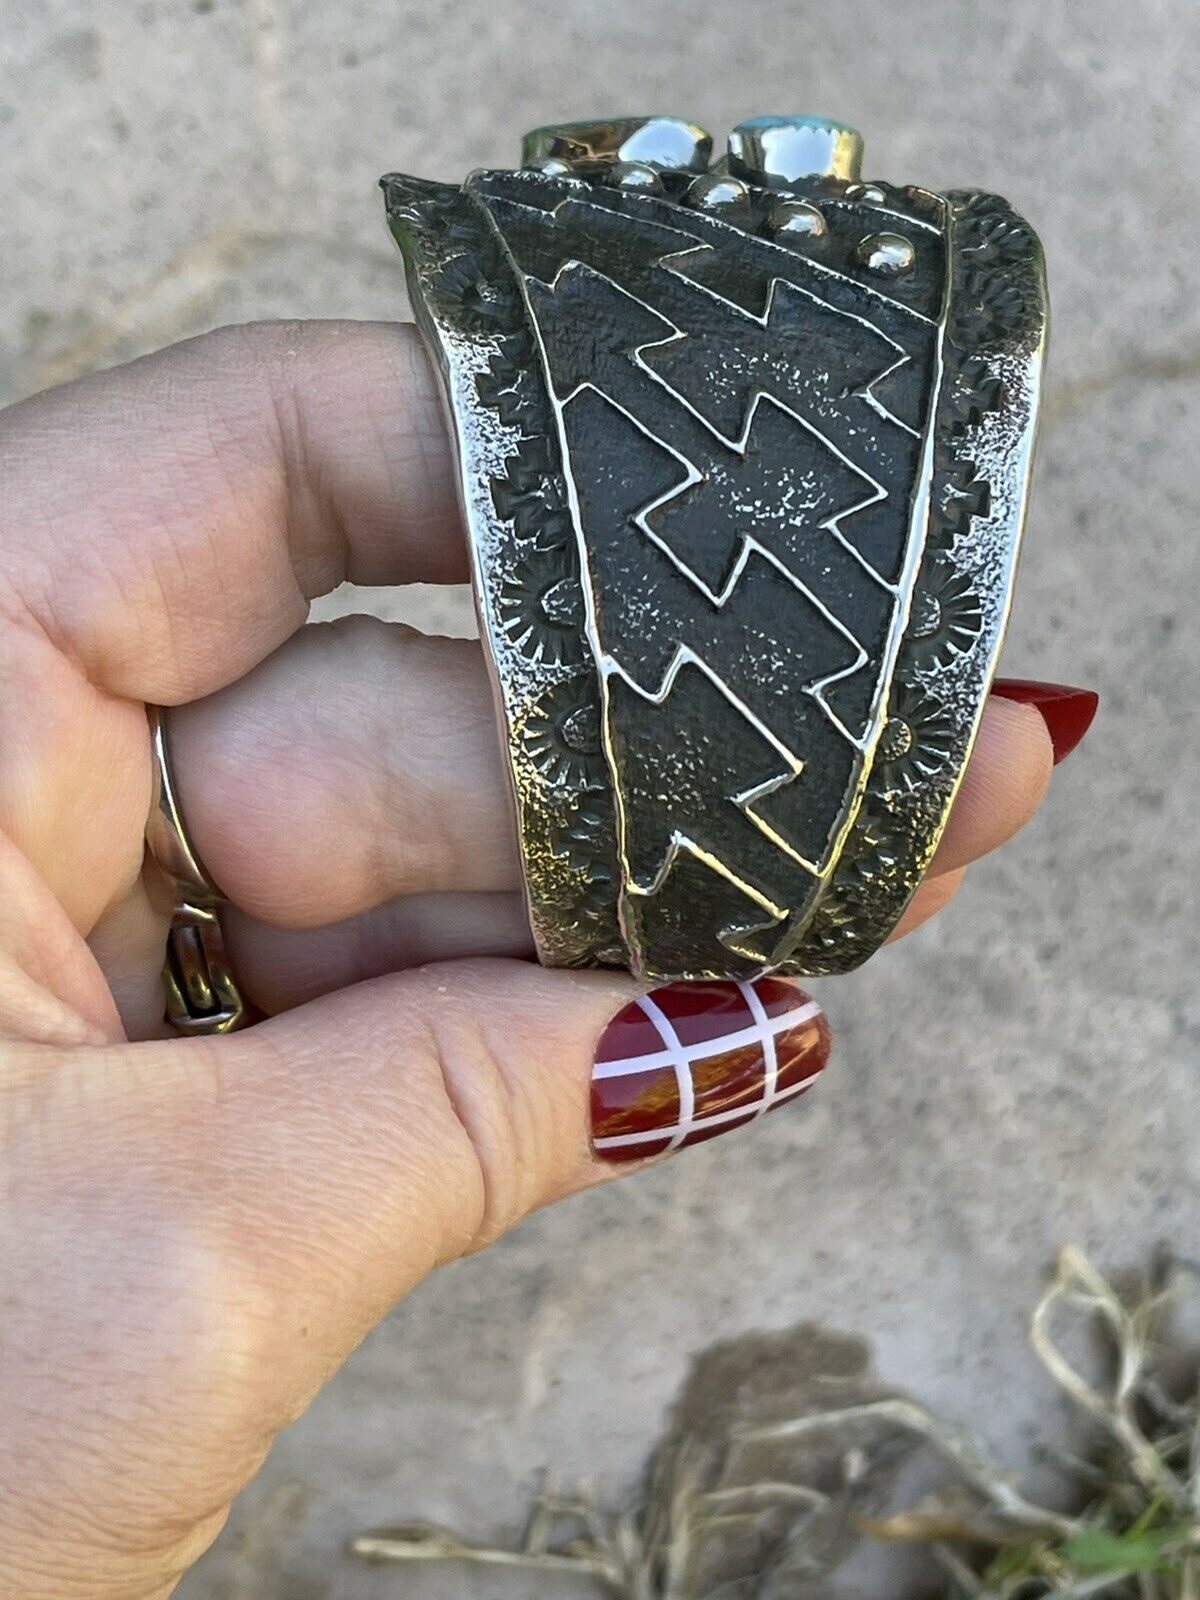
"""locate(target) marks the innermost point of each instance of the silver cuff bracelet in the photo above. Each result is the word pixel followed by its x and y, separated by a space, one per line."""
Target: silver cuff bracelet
pixel 743 452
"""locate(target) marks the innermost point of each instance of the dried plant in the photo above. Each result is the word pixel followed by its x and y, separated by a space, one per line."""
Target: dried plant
pixel 784 1454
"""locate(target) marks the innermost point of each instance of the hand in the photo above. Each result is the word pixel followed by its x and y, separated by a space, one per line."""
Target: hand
pixel 197 1232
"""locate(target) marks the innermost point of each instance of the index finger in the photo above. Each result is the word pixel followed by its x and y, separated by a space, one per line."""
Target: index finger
pixel 167 523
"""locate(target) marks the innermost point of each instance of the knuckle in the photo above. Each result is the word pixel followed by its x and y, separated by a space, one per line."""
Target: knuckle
pixel 504 1051
pixel 476 1089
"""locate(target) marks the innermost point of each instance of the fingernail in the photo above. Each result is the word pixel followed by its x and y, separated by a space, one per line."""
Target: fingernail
pixel 691 1060
pixel 1067 712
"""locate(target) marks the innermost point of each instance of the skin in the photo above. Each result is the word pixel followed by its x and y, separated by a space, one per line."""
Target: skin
pixel 196 1233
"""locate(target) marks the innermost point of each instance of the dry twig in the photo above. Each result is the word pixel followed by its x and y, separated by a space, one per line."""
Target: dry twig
pixel 751 1504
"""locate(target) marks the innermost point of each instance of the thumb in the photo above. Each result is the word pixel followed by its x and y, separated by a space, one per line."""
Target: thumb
pixel 389 1128
pixel 236 1213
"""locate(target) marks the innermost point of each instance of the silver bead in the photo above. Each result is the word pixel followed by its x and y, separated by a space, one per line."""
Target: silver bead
pixel 551 166
pixel 719 193
pixel 777 151
pixel 795 219
pixel 888 255
pixel 635 176
pixel 869 193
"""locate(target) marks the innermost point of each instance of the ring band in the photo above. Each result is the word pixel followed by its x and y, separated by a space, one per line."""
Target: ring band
pixel 202 995
pixel 743 451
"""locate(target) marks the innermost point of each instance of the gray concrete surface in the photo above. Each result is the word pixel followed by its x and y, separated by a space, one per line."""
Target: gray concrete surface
pixel 1022 1073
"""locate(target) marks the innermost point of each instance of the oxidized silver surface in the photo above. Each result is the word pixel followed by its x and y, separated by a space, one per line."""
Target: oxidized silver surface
pixel 743 453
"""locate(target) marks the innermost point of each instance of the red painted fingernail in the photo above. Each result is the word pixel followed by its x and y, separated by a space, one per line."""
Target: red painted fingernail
pixel 690 1060
pixel 1067 712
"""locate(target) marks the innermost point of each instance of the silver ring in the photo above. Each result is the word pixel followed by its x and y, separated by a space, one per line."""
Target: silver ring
pixel 743 452
pixel 202 995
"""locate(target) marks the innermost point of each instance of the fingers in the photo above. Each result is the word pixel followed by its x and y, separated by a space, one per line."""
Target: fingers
pixel 348 1148
pixel 1003 786
pixel 283 967
pixel 279 968
pixel 240 1211
pixel 934 895
pixel 51 989
pixel 343 787
pixel 236 1213
pixel 360 762
pixel 1004 783
pixel 128 945
pixel 323 794
pixel 198 499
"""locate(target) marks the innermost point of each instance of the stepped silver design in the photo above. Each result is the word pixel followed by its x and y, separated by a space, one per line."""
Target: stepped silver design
pixel 743 455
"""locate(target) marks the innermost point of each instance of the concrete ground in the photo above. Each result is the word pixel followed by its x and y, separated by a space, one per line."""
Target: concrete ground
pixel 1021 1074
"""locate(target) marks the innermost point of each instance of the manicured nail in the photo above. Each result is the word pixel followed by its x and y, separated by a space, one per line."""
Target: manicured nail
pixel 1067 712
pixel 690 1060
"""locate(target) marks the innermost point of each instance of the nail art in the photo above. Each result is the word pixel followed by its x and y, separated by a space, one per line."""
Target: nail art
pixel 691 1060
pixel 1066 711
